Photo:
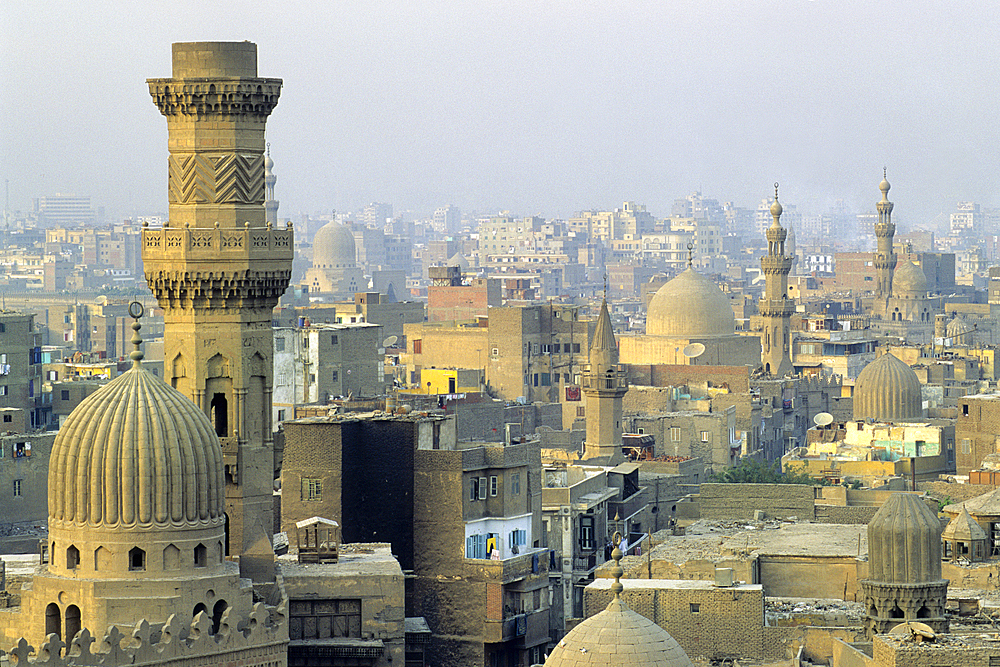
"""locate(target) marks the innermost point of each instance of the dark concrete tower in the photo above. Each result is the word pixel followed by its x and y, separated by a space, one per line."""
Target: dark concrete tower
pixel 604 384
pixel 775 307
pixel 217 269
pixel 904 567
pixel 885 230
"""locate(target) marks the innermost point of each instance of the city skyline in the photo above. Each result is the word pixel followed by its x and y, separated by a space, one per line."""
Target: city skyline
pixel 537 111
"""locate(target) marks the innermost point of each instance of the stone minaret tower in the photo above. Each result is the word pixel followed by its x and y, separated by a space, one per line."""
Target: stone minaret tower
pixel 904 567
pixel 604 385
pixel 217 269
pixel 885 258
pixel 270 203
pixel 775 307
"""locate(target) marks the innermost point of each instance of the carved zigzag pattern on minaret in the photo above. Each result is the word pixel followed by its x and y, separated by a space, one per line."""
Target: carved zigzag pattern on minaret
pixel 231 178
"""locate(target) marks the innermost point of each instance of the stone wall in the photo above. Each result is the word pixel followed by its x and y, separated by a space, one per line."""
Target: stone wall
pixel 739 501
pixel 841 514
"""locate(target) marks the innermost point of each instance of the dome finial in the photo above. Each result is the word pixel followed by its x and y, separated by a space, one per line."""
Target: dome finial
pixel 776 208
pixel 605 288
pixel 617 571
pixel 136 310
pixel 884 185
pixel 690 254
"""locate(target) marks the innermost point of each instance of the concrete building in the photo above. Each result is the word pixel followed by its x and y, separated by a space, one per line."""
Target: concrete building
pixel 217 270
pixel 20 365
pixel 449 298
pixel 976 430
pixel 24 472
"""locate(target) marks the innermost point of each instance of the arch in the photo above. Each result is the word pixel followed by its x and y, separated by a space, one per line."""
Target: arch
pixel 217 611
pixel 220 414
pixel 178 374
pixel 171 558
pixel 923 612
pixel 896 612
pixel 53 620
pixel 102 558
pixel 136 559
pixel 72 557
pixel 218 367
pixel 198 608
pixel 221 553
pixel 226 550
pixel 72 622
pixel 200 556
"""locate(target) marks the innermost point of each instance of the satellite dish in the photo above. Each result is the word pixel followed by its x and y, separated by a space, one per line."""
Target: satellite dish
pixel 823 419
pixel 390 341
pixel 693 350
pixel 101 300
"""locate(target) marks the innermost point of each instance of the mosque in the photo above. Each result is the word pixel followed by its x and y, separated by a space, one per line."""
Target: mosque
pixel 334 268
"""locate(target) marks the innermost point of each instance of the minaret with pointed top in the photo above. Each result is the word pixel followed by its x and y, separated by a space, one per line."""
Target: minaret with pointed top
pixel 604 385
pixel 885 230
pixel 775 307
pixel 270 203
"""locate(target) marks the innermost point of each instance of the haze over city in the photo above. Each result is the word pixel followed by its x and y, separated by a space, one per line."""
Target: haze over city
pixel 536 108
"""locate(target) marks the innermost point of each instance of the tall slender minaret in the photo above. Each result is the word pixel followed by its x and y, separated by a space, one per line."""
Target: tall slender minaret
pixel 885 230
pixel 775 307
pixel 217 269
pixel 604 384
pixel 270 203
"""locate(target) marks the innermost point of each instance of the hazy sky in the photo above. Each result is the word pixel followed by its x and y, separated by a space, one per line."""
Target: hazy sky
pixel 540 107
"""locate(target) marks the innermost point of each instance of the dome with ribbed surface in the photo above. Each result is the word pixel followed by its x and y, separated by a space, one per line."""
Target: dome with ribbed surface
pixel 904 542
pixel 690 306
pixel 137 454
pixel 887 390
pixel 618 635
pixel 909 280
pixel 333 247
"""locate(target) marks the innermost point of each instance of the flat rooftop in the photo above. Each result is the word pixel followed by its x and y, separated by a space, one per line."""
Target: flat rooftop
pixel 355 560
pixel 604 583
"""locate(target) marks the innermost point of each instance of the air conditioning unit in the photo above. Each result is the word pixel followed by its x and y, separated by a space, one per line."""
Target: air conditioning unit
pixel 725 577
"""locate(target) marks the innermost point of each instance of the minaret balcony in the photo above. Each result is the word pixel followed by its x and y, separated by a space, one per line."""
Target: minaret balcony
pixel 613 379
pixel 217 244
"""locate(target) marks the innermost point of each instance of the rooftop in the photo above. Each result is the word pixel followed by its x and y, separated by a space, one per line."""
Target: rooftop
pixel 355 560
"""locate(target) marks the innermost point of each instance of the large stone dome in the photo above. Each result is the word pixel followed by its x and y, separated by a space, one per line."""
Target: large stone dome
pixel 909 280
pixel 887 390
pixel 136 455
pixel 690 306
pixel 333 247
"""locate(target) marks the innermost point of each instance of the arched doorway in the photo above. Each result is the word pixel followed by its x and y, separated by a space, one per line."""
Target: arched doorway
pixel 72 622
pixel 217 611
pixel 53 620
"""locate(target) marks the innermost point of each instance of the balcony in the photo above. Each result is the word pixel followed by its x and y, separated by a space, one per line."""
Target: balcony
pixel 614 380
pixel 586 563
pixel 527 628
pixel 193 244
pixel 533 562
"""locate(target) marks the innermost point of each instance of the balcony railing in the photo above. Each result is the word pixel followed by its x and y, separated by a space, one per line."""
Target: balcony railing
pixel 534 561
pixel 217 243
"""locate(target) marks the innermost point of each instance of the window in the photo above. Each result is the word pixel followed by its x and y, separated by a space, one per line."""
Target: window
pixel 336 376
pixel 281 415
pixel 535 380
pixel 8 418
pixel 581 411
pixel 695 607
pixel 305 342
pixel 72 557
pixel 475 546
pixel 567 348
pixel 517 538
pixel 200 556
pixel 586 532
pixel 576 348
pixel 965 409
pixel 493 485
pixel 3 390
pixel 64 394
pixel 515 484
pixel 17 488
pixel 546 379
pixel 418 346
pixel 334 340
pixel 474 489
pixel 312 488
pixel 706 436
pixel 279 344
pixel 496 351
pixel 675 434
pixel 546 348
pixel 136 559
pixel 966 446
pixel 482 488
pixel 324 619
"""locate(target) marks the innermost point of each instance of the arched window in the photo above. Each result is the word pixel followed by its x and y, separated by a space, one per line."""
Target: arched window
pixel 72 558
pixel 217 612
pixel 200 556
pixel 136 559
pixel 72 622
pixel 53 620
pixel 220 415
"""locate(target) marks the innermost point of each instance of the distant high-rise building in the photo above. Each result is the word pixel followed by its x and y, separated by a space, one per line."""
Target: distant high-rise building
pixel 62 209
pixel 448 219
pixel 375 214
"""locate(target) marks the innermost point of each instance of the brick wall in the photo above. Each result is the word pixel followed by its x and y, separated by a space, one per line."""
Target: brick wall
pixel 738 501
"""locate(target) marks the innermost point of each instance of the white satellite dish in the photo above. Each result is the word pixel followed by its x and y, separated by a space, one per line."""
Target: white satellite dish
pixel 390 341
pixel 823 419
pixel 693 350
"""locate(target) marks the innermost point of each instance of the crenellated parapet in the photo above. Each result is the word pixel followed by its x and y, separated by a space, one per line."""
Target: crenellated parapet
pixel 259 639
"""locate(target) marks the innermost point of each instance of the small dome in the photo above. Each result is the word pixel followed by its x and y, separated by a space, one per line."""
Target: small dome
pixel 909 280
pixel 333 247
pixel 459 260
pixel 904 542
pixel 776 208
pixel 884 186
pixel 136 454
pixel 888 390
pixel 963 528
pixel 690 306
pixel 599 640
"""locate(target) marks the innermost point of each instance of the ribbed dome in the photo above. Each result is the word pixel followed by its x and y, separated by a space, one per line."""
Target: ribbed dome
pixel 136 454
pixel 600 640
pixel 909 280
pixel 690 306
pixel 887 390
pixel 904 542
pixel 956 327
pixel 333 247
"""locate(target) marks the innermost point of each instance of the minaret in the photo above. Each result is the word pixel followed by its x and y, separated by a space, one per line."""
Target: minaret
pixel 885 258
pixel 604 385
pixel 217 269
pixel 270 203
pixel 775 307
